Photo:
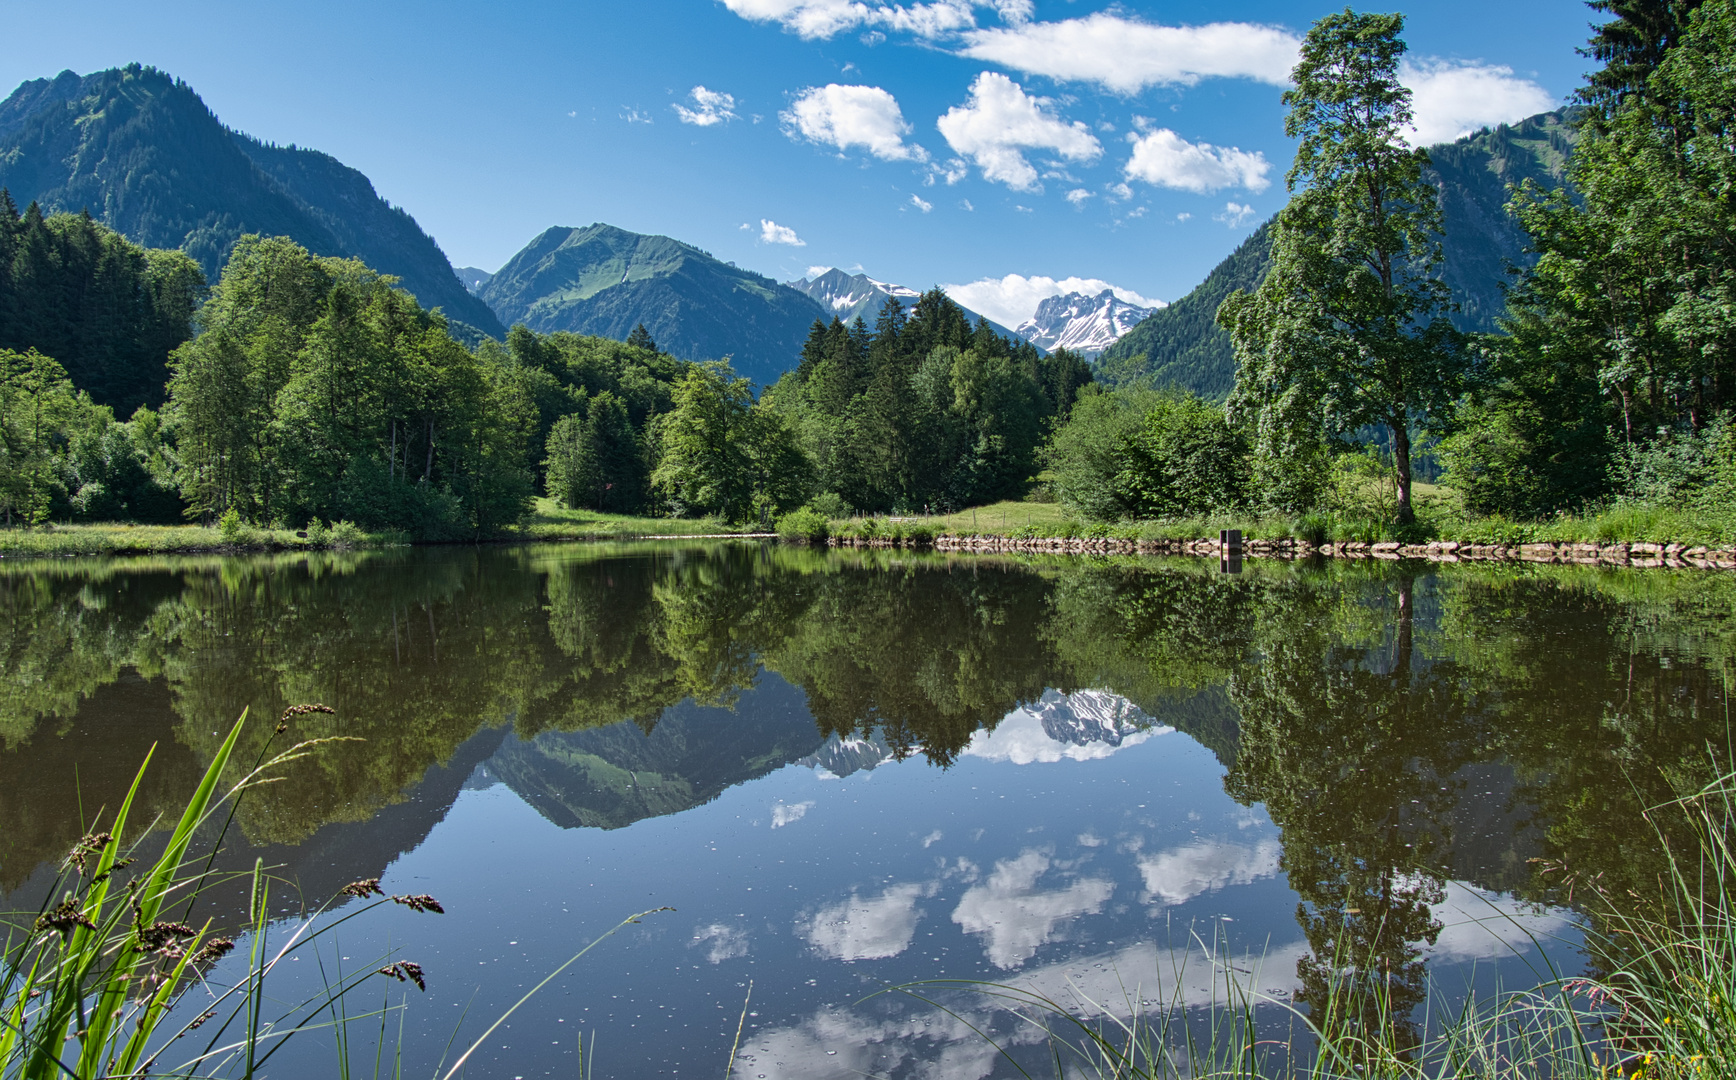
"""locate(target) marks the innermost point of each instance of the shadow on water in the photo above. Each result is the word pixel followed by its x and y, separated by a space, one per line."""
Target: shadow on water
pixel 1404 728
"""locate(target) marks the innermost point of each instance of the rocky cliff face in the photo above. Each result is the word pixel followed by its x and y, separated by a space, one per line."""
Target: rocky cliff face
pixel 1084 324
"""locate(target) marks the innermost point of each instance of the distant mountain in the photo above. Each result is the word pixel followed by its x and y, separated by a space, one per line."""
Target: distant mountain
pixel 473 278
pixel 1183 346
pixel 849 296
pixel 1084 324
pixel 145 155
pixel 605 281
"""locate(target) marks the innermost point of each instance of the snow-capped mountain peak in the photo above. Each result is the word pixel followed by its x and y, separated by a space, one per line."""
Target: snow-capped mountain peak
pixel 1084 324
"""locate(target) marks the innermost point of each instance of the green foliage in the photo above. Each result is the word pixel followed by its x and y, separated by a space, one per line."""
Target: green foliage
pixel 595 460
pixel 317 389
pixel 1184 458
pixel 925 411
pixel 107 310
pixel 720 453
pixel 805 524
pixel 830 504
pixel 1139 454
pixel 1348 329
pixel 1624 321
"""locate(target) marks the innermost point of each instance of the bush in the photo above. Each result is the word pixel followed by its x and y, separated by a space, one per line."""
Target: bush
pixel 806 525
pixel 347 534
pixel 317 533
pixel 232 528
pixel 830 505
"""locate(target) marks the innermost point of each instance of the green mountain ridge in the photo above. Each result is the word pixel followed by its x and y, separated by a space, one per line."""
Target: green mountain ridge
pixel 604 281
pixel 149 159
pixel 1182 345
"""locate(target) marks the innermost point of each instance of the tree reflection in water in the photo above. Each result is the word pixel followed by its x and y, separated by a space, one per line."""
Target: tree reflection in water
pixel 1405 727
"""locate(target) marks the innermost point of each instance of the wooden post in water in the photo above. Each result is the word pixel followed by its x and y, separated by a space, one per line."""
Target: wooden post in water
pixel 1229 551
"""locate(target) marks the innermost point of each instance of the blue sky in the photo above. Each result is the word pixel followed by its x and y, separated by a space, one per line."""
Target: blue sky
pixel 1004 145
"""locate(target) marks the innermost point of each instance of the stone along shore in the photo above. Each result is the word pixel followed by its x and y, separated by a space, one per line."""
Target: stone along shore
pixel 1637 555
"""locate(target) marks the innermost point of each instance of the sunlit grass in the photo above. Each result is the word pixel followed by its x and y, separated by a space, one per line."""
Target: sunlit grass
pixel 114 539
pixel 549 520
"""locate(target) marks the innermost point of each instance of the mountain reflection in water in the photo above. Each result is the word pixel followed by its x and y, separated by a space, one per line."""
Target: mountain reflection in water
pixel 1045 770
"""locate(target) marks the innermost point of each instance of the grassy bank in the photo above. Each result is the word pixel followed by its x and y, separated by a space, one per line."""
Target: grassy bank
pixel 113 539
pixel 549 520
pixel 1437 519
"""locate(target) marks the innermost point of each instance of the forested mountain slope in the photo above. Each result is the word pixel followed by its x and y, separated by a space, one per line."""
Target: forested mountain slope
pixel 1182 344
pixel 145 155
pixel 604 281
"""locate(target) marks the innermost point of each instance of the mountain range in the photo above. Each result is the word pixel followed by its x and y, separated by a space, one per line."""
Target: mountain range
pixel 853 296
pixel 147 158
pixel 604 281
pixel 1183 346
pixel 1084 324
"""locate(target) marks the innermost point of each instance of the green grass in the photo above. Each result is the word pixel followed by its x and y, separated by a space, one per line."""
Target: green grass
pixel 551 521
pixel 111 539
pixel 999 519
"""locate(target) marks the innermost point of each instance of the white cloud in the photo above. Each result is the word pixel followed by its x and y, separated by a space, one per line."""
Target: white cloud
pixel 1010 301
pixel 1206 866
pixel 1165 159
pixel 632 115
pixel 921 204
pixel 951 171
pixel 1450 99
pixel 773 233
pixel 1184 216
pixel 1236 214
pixel 1015 917
pixel 846 116
pixel 1480 925
pixel 1127 55
pixel 859 929
pixel 825 18
pixel 1078 196
pixel 710 107
pixel 816 271
pixel 1000 120
pixel 790 813
pixel 724 942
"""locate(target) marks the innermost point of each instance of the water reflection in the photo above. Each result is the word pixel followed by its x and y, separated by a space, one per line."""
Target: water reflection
pixel 1414 757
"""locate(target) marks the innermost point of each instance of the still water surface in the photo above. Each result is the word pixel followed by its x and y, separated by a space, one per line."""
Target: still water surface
pixel 1123 779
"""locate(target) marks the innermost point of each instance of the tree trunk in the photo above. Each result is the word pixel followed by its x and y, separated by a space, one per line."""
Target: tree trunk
pixel 1401 463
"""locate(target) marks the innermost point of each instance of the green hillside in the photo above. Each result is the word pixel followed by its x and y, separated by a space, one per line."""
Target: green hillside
pixel 604 281
pixel 1182 345
pixel 145 155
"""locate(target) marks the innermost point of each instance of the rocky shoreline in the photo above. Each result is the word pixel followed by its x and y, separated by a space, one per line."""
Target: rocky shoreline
pixel 1442 551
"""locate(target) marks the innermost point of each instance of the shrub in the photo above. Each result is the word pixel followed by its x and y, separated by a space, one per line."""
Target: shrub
pixel 806 525
pixel 232 528
pixel 318 534
pixel 347 534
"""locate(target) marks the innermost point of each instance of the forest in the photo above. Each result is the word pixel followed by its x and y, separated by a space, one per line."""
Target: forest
pixel 299 390
pixel 302 391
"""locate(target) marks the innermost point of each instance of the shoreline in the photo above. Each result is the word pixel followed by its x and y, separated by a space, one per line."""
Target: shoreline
pixel 1639 555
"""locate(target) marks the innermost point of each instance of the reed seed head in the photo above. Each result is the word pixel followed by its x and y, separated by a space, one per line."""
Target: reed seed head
pixel 420 902
pixel 364 888
pixel 301 710
pixel 212 950
pixel 65 917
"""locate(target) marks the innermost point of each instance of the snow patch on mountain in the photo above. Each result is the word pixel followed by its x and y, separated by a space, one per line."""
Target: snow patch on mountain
pixel 1082 726
pixel 1084 324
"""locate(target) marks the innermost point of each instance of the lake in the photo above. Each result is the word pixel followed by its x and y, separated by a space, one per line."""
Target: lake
pixel 1126 781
